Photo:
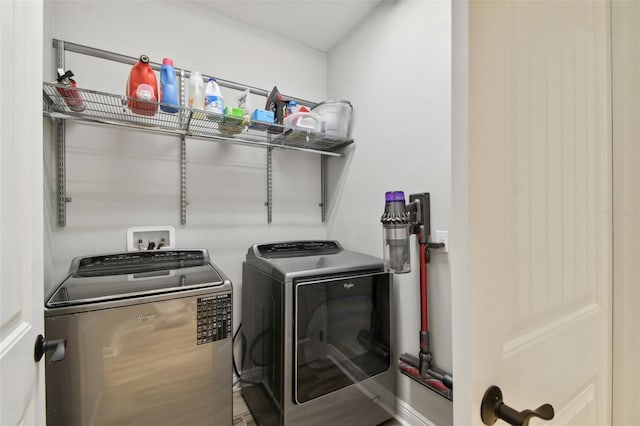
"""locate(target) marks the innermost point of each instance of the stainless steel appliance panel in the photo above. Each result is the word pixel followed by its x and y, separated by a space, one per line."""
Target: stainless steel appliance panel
pixel 139 365
pixel 368 402
pixel 286 282
pixel 341 332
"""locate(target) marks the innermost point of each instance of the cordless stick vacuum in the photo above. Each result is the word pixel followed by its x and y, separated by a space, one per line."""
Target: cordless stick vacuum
pixel 399 221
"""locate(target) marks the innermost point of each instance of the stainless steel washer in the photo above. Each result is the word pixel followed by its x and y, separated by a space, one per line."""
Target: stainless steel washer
pixel 316 335
pixel 147 341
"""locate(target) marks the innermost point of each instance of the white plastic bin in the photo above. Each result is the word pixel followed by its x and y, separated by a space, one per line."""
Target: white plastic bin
pixel 337 114
pixel 305 121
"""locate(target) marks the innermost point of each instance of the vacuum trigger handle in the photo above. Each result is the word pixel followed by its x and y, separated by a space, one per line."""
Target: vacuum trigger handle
pixel 493 408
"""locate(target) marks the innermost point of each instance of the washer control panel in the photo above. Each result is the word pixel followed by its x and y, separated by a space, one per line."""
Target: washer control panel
pixel 214 318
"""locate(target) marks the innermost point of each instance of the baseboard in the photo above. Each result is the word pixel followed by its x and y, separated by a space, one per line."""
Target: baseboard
pixel 408 416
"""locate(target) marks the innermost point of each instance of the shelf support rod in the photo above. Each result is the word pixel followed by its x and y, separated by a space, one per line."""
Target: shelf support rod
pixel 183 101
pixel 183 155
pixel 62 176
pixel 269 202
pixel 323 188
pixel 183 180
pixel 132 60
pixel 62 173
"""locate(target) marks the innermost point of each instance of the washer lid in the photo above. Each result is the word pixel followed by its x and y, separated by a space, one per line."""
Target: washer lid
pixel 125 275
pixel 296 259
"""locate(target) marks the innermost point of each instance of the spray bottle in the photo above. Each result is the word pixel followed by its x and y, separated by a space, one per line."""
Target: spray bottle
pixel 71 96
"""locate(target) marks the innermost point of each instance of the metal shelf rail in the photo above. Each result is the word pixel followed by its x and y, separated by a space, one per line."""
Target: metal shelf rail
pixel 109 109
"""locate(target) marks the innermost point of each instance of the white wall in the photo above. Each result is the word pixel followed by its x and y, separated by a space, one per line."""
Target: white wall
pixel 119 178
pixel 395 68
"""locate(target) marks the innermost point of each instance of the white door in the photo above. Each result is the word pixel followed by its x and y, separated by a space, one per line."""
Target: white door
pixel 21 214
pixel 532 256
pixel 626 211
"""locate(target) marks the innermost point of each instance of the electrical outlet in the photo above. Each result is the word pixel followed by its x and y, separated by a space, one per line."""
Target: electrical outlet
pixel 443 237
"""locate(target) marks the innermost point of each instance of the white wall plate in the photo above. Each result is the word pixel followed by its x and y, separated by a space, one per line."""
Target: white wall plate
pixel 140 238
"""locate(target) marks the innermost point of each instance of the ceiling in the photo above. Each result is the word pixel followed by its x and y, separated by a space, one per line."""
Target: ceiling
pixel 316 23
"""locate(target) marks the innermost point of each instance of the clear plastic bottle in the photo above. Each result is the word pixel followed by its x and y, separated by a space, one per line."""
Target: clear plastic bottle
pixel 214 101
pixel 196 91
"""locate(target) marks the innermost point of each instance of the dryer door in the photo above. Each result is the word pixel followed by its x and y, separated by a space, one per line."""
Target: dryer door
pixel 341 332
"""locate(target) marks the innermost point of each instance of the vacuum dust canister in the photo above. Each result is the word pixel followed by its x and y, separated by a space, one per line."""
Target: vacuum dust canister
pixel 395 233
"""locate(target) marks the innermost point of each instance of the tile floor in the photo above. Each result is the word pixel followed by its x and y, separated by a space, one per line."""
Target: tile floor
pixel 242 416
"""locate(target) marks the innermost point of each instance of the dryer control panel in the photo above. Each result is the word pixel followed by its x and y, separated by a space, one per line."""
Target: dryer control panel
pixel 299 248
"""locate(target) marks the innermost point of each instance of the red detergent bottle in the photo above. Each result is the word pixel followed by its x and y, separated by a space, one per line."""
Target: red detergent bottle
pixel 142 87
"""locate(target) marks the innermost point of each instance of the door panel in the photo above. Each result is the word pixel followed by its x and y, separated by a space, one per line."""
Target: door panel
pixel 538 203
pixel 21 217
pixel 626 198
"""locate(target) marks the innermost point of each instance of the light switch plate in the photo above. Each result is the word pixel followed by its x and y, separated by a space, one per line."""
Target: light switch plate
pixel 443 237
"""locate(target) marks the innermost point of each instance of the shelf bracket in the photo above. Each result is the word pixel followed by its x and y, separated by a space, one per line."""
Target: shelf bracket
pixel 62 174
pixel 323 188
pixel 183 157
pixel 269 201
pixel 183 180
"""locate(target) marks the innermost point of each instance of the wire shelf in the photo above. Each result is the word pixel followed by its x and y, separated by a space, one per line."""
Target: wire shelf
pixel 70 103
pixel 60 101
